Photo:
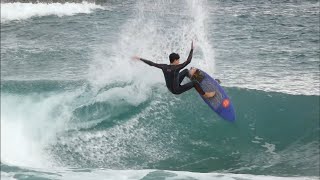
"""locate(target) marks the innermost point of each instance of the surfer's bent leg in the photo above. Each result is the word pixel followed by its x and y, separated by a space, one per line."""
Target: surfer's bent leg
pixel 183 74
pixel 188 86
pixel 183 88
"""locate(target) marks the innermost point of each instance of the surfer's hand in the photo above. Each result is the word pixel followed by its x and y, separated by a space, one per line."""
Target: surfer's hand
pixel 136 58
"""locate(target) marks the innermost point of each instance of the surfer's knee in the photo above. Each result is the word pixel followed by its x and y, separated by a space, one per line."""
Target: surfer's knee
pixel 176 92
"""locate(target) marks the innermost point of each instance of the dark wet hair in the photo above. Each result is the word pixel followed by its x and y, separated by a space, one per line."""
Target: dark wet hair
pixel 173 56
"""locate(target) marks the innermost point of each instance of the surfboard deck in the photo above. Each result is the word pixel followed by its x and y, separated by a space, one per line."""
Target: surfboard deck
pixel 220 103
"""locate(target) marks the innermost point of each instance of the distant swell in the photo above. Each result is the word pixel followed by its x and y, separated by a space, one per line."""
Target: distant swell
pixel 21 11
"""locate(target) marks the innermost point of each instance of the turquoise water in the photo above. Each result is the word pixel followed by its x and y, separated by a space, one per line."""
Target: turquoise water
pixel 74 105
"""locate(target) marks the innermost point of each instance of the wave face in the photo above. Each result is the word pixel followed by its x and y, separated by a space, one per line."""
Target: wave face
pixel 274 134
pixel 74 106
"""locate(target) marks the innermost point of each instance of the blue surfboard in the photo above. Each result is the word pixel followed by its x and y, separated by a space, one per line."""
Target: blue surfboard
pixel 220 103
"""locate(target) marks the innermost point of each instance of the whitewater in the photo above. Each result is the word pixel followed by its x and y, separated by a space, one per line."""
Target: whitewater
pixel 75 106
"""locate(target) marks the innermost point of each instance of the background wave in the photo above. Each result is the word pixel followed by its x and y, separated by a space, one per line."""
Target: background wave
pixel 22 11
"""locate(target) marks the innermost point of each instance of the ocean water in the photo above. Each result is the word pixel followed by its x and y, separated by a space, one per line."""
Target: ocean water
pixel 75 106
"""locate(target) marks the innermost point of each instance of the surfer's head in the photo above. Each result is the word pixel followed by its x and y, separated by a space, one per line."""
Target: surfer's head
pixel 174 57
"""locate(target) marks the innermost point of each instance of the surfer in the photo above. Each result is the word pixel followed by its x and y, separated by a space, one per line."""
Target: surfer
pixel 174 77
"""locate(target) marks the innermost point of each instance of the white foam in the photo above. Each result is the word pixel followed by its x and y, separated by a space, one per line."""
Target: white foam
pixel 65 174
pixel 199 31
pixel 7 176
pixel 132 94
pixel 28 124
pixel 21 11
pixel 297 85
pixel 113 145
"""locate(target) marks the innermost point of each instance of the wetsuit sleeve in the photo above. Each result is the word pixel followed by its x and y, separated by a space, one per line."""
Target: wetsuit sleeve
pixel 180 66
pixel 150 63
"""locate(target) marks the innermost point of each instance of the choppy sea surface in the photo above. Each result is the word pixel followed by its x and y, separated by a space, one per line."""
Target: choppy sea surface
pixel 75 106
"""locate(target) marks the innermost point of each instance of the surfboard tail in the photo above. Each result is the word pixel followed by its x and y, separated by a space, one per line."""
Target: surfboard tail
pixel 228 114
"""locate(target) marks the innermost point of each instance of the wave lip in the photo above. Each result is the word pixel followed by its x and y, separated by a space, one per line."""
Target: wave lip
pixel 22 11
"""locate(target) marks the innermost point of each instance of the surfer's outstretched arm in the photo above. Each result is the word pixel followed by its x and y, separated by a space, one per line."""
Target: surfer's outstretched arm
pixel 180 66
pixel 150 63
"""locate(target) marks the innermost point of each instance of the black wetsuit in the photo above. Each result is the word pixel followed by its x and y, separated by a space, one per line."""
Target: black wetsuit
pixel 174 78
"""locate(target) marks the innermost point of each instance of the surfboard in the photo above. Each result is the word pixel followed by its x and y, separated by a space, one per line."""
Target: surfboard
pixel 220 103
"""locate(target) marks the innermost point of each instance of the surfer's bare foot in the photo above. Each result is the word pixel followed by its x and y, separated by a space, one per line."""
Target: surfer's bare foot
pixel 209 94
